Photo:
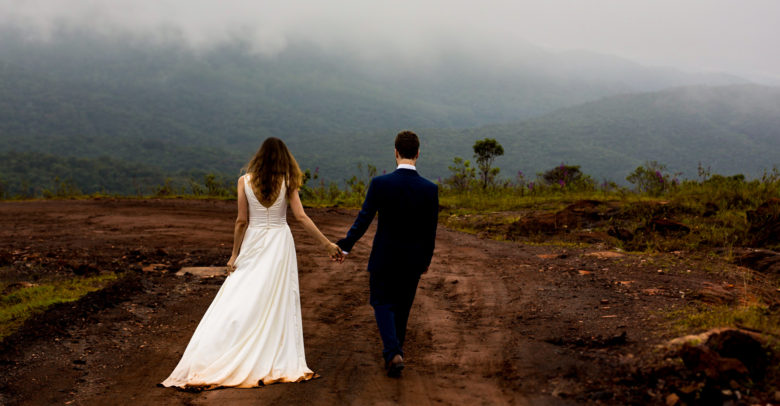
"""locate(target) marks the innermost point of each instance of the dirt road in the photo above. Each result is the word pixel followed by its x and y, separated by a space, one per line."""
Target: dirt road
pixel 493 323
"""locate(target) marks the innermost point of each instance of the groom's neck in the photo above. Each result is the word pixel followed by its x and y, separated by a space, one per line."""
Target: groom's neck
pixel 412 162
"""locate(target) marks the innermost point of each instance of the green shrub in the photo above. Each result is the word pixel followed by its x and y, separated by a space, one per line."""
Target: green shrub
pixel 652 179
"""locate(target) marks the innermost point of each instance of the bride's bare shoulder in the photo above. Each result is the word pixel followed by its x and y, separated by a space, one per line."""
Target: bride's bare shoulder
pixel 242 180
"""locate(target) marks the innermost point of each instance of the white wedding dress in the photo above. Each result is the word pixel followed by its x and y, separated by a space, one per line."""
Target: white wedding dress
pixel 251 334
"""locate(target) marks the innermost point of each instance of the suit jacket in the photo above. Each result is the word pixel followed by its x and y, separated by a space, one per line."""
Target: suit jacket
pixel 408 207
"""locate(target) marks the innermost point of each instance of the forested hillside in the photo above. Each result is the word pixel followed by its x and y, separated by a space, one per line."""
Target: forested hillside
pixel 732 129
pixel 161 110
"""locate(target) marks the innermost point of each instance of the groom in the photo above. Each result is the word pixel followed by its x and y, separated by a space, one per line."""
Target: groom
pixel 408 207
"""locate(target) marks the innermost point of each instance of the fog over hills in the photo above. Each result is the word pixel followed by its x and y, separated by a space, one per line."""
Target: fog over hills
pixel 160 110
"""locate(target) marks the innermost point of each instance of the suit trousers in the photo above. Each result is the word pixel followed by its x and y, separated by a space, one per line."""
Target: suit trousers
pixel 391 297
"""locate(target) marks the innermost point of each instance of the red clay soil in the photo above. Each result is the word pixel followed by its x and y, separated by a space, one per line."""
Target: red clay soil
pixel 493 323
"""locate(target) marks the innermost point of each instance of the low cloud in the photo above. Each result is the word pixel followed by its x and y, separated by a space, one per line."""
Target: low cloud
pixel 695 34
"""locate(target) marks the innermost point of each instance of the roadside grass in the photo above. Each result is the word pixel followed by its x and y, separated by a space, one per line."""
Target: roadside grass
pixel 701 317
pixel 20 304
pixel 510 199
pixel 714 208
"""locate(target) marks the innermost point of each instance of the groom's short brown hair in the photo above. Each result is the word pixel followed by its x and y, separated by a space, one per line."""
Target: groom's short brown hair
pixel 407 144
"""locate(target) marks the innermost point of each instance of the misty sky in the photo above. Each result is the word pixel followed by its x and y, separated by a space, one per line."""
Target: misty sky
pixel 738 36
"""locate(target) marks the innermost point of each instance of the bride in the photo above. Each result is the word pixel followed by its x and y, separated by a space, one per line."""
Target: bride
pixel 251 334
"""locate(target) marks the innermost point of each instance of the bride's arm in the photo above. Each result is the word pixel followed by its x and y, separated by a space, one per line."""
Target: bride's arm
pixel 241 225
pixel 308 225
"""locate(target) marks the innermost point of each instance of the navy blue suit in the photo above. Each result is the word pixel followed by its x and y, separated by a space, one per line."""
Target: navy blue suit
pixel 408 208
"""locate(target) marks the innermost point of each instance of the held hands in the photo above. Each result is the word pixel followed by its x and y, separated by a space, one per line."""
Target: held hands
pixel 335 252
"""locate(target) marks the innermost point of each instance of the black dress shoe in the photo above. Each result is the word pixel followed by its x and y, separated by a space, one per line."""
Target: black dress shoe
pixel 395 366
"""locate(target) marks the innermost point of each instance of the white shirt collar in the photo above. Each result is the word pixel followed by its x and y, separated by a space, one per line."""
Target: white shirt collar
pixel 406 166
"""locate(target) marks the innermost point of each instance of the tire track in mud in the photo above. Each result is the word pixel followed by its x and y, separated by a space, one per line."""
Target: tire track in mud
pixel 450 357
pixel 467 311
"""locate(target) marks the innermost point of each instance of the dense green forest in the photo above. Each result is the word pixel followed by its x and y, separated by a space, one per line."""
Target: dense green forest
pixel 731 129
pixel 121 116
pixel 32 174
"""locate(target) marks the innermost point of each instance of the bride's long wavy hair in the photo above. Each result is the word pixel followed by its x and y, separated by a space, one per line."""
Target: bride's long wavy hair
pixel 273 163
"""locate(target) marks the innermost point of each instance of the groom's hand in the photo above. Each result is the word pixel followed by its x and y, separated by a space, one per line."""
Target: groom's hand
pixel 336 253
pixel 340 256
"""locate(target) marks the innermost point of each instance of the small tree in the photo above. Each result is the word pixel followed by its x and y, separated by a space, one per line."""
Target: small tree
pixel 463 174
pixel 485 152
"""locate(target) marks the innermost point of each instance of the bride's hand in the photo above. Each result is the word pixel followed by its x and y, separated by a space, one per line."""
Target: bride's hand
pixel 334 251
pixel 231 265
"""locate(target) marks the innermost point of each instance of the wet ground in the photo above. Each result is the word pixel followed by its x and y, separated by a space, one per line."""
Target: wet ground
pixel 493 322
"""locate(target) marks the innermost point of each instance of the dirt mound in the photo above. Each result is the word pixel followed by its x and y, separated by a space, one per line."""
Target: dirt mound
pixel 582 216
pixel 578 215
pixel 764 224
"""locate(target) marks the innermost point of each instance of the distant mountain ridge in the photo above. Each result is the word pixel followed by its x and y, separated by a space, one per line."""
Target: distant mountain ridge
pixel 732 129
pixel 165 111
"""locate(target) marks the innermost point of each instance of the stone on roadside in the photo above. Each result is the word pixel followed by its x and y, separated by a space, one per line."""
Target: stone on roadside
pixel 742 346
pixel 720 369
pixel 202 271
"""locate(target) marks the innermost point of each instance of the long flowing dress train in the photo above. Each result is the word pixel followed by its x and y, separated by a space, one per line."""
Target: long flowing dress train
pixel 251 334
